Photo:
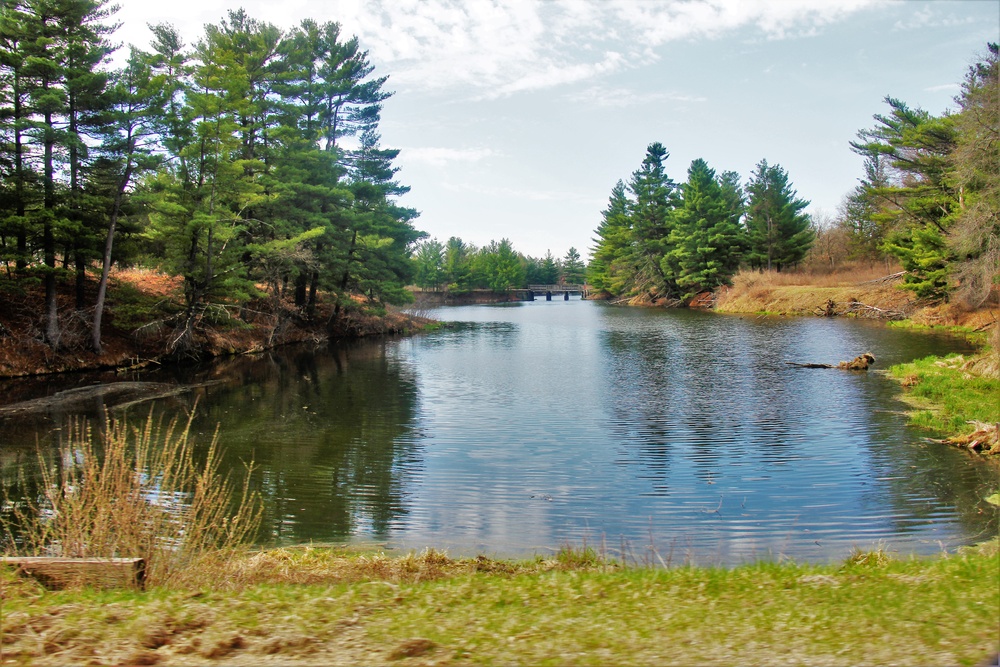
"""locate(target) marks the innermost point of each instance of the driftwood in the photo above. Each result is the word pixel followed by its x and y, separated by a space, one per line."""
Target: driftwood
pixel 59 573
pixel 859 363
pixel 985 439
pixel 863 310
pixel 891 278
pixel 858 309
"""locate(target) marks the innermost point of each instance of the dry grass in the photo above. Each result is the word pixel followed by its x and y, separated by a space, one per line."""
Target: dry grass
pixel 807 294
pixel 428 609
pixel 844 277
pixel 136 493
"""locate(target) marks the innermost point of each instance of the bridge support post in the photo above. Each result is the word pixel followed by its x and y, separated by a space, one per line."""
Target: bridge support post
pixel 548 296
pixel 566 296
pixel 530 295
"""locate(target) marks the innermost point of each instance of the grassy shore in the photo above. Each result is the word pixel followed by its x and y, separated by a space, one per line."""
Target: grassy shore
pixel 957 397
pixel 324 607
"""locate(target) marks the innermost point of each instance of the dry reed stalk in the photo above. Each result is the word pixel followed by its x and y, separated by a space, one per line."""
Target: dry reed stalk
pixel 139 493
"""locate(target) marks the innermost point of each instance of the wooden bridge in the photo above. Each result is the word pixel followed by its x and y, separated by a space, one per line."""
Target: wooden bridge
pixel 547 291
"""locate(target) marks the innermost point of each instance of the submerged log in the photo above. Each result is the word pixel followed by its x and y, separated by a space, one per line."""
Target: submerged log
pixel 859 363
pixel 57 573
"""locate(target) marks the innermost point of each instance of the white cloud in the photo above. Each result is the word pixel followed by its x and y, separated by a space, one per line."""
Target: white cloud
pixel 439 156
pixel 944 87
pixel 503 47
pixel 623 97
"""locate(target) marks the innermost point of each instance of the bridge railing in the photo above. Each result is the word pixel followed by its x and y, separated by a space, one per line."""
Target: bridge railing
pixel 556 288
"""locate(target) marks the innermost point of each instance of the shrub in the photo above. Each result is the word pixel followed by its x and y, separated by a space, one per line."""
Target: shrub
pixel 132 492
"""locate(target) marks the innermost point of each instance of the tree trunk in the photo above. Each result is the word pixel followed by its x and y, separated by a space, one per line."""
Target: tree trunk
pixel 102 286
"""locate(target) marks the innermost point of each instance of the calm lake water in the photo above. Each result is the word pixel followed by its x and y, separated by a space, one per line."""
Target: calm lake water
pixel 519 428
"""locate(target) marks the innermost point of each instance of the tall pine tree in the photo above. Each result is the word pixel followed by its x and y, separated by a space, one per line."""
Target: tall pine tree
pixel 778 232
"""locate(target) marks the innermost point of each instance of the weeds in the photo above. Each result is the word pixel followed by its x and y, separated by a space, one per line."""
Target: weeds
pixel 135 492
pixel 874 558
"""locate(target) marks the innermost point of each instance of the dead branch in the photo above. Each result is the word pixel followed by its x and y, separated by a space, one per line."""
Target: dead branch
pixel 863 310
pixel 893 277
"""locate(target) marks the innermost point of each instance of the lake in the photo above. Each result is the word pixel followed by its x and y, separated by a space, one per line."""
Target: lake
pixel 673 436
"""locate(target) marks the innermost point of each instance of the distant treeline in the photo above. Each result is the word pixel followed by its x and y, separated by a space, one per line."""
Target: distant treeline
pixel 456 266
pixel 249 158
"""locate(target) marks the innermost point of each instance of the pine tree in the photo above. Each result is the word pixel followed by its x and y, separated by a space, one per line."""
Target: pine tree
pixel 574 271
pixel 860 211
pixel 127 150
pixel 650 211
pixel 549 270
pixel 429 271
pixel 778 233
pixel 607 271
pixel 457 259
pixel 19 173
pixel 706 242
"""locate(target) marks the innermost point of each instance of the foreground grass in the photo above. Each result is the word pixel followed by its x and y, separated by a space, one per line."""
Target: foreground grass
pixel 323 607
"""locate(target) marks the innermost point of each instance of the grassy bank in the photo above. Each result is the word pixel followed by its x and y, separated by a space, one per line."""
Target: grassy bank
pixel 323 607
pixel 957 397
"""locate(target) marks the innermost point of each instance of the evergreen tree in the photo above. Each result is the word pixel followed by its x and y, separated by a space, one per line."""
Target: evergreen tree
pixel 574 271
pixel 377 261
pixel 919 201
pixel 705 243
pixel 778 233
pixel 608 270
pixel 127 150
pixel 654 199
pixel 19 174
pixel 429 271
pixel 860 212
pixel 85 87
pixel 549 270
pixel 498 267
pixel 457 260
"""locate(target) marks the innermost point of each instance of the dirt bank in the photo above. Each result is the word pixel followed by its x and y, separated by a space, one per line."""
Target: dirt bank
pixel 851 294
pixel 142 324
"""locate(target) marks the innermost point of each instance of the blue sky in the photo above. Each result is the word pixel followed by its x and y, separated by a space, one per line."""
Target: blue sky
pixel 516 117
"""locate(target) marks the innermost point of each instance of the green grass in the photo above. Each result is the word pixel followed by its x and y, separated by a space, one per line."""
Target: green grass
pixel 946 395
pixel 581 610
pixel 974 336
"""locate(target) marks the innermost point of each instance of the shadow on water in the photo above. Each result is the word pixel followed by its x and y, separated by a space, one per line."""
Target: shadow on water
pixel 519 428
pixel 331 434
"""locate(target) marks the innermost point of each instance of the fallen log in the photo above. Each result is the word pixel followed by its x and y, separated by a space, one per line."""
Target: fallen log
pixel 985 439
pixel 57 573
pixel 859 363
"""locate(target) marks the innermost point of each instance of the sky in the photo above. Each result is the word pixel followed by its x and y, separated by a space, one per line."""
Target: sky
pixel 515 118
